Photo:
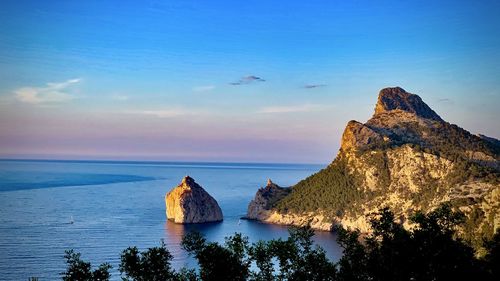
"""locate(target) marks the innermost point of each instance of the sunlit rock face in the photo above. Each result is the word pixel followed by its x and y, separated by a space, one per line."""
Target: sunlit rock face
pixel 190 203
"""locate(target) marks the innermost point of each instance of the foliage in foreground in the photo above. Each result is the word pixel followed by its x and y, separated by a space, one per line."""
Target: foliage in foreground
pixel 81 270
pixel 430 251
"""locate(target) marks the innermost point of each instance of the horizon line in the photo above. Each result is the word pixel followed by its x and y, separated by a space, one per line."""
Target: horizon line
pixel 151 161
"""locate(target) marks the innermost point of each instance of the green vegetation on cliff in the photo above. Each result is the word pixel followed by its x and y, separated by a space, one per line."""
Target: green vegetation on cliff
pixel 331 190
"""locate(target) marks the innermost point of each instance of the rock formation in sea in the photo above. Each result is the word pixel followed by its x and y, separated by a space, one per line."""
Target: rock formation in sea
pixel 190 203
pixel 407 158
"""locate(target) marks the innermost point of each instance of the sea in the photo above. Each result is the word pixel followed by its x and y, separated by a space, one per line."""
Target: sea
pixel 99 208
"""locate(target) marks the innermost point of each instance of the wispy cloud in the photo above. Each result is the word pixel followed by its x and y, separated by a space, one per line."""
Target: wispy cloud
pixel 164 113
pixel 120 97
pixel 312 86
pixel 205 88
pixel 51 93
pixel 247 80
pixel 291 108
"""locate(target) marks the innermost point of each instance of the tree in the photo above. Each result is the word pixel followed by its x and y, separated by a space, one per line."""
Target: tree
pixel 353 265
pixel 217 262
pixel 150 265
pixel 439 253
pixel 296 256
pixel 260 253
pixel 307 262
pixel 492 259
pixel 429 251
pixel 77 269
pixel 389 255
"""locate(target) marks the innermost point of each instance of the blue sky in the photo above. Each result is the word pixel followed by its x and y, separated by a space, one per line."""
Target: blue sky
pixel 264 81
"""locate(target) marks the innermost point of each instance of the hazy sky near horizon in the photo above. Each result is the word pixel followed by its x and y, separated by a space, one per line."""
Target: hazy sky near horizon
pixel 260 81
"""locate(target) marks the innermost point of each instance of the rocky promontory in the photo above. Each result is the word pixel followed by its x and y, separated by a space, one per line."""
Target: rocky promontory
pixel 264 199
pixel 405 157
pixel 190 203
pixel 261 209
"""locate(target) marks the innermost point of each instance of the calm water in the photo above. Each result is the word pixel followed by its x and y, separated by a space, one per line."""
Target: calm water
pixel 119 204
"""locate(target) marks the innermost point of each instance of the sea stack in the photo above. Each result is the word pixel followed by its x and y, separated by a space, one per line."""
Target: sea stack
pixel 190 203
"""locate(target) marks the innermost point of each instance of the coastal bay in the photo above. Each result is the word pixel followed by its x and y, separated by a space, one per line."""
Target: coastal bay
pixel 36 228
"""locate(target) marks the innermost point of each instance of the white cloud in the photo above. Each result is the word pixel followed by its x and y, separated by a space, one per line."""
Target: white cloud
pixel 204 88
pixel 291 108
pixel 52 93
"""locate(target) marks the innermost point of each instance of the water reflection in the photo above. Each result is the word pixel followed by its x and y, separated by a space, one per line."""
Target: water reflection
pixel 173 238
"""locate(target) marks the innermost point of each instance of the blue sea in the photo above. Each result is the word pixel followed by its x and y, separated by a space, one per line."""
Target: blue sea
pixel 99 208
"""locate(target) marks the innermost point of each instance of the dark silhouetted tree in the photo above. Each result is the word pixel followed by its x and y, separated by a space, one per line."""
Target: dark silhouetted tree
pixel 307 262
pixel 492 258
pixel 439 254
pixel 77 269
pixel 353 265
pixel 217 262
pixel 429 251
pixel 150 265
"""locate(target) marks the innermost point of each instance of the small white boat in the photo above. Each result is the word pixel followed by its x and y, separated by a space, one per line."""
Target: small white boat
pixel 71 220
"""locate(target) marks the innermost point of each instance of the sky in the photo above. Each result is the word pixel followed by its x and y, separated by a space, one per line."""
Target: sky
pixel 233 81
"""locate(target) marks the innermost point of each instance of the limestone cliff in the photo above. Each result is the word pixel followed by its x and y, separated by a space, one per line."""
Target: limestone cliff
pixel 265 198
pixel 405 157
pixel 190 203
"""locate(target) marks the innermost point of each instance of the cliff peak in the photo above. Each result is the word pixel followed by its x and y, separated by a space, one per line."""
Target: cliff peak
pixel 189 181
pixel 396 98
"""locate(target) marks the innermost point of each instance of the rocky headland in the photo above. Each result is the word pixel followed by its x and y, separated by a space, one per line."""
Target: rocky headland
pixel 190 203
pixel 407 158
